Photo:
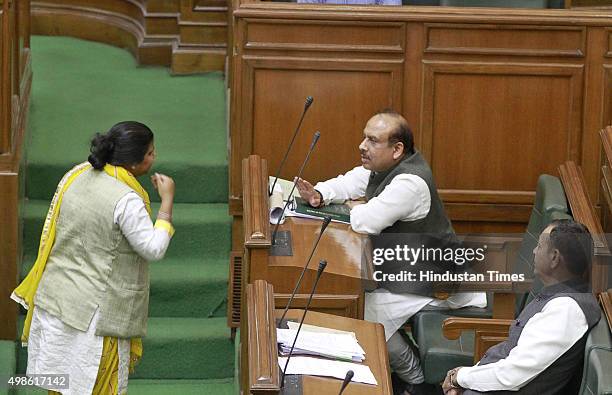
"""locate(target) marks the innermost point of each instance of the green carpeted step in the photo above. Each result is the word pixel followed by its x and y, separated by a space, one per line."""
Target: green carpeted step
pixel 202 230
pixel 8 363
pixel 182 387
pixel 100 85
pixel 178 348
pixel 187 348
pixel 194 183
pixel 188 288
pixel 183 287
pixel 164 387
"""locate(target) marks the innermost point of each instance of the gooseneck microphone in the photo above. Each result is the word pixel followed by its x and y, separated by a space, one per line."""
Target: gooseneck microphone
pixel 322 266
pixel 326 222
pixel 347 380
pixel 315 138
pixel 307 104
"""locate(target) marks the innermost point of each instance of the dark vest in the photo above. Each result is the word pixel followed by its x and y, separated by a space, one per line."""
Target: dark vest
pixel 567 368
pixel 435 230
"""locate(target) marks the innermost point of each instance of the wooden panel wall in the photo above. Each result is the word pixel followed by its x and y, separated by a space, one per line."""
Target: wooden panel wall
pixel 494 97
pixel 16 78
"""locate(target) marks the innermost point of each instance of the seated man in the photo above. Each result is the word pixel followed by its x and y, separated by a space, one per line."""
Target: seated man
pixel 545 347
pixel 402 199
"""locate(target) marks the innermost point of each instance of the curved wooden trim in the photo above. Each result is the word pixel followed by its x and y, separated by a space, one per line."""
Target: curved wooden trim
pixel 87 23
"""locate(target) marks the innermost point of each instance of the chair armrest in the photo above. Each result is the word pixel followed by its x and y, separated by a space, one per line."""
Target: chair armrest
pixel 487 332
pixel 453 326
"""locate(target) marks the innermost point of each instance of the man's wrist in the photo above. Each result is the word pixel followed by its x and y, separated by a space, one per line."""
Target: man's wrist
pixel 321 202
pixel 453 378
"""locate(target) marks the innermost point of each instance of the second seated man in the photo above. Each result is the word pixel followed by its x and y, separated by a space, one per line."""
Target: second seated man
pixel 400 198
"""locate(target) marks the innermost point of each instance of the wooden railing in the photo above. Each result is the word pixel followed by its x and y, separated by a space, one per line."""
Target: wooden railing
pixel 15 79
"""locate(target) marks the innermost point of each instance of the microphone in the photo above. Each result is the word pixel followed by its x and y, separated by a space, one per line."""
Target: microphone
pixel 326 222
pixel 315 138
pixel 322 266
pixel 307 104
pixel 347 380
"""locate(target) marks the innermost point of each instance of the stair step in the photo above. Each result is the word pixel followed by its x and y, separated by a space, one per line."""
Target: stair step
pixel 178 348
pixel 202 230
pixel 182 287
pixel 190 59
pixel 200 33
pixel 188 288
pixel 199 347
pixel 191 140
pixel 183 387
pixel 195 183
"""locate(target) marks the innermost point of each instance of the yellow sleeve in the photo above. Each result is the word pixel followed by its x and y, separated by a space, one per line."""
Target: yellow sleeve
pixel 163 224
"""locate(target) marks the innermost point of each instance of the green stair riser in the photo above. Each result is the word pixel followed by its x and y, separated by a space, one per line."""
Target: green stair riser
pixel 199 232
pixel 194 184
pixel 179 348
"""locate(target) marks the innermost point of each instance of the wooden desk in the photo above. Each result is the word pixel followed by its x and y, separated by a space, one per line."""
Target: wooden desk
pixel 259 366
pixel 340 290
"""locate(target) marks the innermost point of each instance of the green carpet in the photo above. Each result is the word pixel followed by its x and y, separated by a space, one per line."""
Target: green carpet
pixel 81 88
pixel 187 349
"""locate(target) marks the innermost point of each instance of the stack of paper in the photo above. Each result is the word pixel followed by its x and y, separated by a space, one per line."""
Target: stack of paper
pixel 322 367
pixel 342 346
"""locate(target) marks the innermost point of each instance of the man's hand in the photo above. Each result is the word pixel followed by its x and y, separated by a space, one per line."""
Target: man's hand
pixel 308 193
pixel 447 385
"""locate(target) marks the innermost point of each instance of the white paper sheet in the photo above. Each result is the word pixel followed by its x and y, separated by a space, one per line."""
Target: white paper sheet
pixel 327 368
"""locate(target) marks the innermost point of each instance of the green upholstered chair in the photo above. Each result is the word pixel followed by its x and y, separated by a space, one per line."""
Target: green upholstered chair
pixel 596 374
pixel 437 353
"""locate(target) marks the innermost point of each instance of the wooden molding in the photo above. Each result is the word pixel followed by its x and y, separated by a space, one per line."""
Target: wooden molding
pixel 583 211
pixel 606 142
pixel 262 349
pixel 255 201
pixel 605 298
pixel 513 40
pixel 16 87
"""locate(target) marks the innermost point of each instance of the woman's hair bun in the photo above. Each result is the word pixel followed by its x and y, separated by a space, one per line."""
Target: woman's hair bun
pixel 101 150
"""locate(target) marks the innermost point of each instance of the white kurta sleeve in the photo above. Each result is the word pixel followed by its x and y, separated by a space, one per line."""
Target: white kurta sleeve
pixel 406 198
pixel 148 240
pixel 351 185
pixel 545 337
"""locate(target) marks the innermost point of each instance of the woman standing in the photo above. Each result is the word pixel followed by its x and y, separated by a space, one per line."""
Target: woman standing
pixel 88 293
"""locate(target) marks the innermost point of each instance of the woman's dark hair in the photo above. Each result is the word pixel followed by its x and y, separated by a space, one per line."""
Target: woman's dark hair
pixel 126 143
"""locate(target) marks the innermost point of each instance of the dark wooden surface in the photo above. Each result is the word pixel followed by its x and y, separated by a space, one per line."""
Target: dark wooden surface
pixel 16 78
pixel 260 370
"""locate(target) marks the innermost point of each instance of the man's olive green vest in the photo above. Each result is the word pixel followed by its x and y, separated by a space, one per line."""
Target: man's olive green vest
pixel 433 231
pixel 92 266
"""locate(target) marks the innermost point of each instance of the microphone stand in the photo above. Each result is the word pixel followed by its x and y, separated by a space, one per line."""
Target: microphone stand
pixel 326 222
pixel 322 266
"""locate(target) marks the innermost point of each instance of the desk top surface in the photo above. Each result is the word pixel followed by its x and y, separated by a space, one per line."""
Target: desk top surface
pixel 371 337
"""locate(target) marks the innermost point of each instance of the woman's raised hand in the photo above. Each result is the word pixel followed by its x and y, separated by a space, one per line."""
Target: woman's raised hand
pixel 164 185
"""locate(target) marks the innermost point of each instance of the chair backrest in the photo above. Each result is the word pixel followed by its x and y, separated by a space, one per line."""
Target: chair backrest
pixel 550 205
pixel 596 378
